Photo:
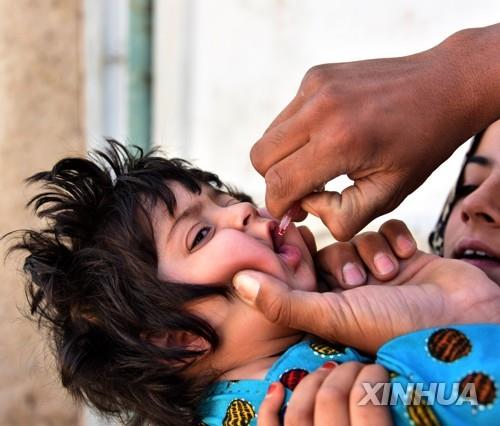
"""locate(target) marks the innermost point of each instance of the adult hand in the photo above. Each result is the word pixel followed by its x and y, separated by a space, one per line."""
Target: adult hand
pixel 328 396
pixel 428 291
pixel 385 123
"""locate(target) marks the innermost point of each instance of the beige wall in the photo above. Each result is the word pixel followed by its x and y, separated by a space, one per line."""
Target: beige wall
pixel 40 120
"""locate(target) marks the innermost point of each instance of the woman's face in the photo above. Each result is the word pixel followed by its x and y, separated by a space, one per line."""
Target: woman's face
pixel 473 230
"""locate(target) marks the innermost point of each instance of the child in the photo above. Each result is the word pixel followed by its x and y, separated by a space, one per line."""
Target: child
pixel 132 275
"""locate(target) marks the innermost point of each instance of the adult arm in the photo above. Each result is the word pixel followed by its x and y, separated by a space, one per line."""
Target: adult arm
pixel 386 123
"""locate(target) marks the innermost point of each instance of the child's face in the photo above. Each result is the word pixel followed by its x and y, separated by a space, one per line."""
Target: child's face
pixel 211 238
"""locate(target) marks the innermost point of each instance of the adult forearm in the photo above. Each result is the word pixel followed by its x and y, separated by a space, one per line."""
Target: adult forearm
pixel 474 63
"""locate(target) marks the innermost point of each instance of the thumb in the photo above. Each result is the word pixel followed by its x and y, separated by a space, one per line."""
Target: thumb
pixel 279 304
pixel 346 213
pixel 351 317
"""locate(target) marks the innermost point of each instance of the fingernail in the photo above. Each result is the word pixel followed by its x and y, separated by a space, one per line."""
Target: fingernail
pixel 404 243
pixel 247 287
pixel 330 365
pixel 383 263
pixel 353 274
pixel 272 387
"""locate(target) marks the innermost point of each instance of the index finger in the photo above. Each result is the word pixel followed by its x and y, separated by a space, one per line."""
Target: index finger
pixel 279 142
pixel 298 175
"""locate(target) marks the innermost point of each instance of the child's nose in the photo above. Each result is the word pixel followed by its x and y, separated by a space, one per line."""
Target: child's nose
pixel 239 216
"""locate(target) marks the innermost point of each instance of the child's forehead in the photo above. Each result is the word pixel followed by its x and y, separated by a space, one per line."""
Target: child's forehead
pixel 184 195
pixel 187 203
pixel 184 198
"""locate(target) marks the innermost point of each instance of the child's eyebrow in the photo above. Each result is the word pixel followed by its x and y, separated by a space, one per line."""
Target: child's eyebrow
pixel 193 209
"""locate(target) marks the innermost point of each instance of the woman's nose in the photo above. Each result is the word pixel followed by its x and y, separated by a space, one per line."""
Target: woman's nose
pixel 482 206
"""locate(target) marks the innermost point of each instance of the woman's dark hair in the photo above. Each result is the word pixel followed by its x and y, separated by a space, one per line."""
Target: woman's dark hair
pixel 92 281
pixel 436 237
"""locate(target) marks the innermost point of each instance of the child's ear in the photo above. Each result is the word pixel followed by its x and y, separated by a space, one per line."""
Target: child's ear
pixel 176 339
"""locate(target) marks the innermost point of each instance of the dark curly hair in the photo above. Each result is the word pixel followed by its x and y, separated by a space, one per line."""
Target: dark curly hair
pixel 92 281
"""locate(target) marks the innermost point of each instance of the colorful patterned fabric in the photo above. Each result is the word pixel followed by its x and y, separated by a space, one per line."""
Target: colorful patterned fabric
pixel 458 356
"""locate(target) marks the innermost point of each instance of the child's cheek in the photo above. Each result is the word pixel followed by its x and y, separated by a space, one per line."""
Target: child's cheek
pixel 228 254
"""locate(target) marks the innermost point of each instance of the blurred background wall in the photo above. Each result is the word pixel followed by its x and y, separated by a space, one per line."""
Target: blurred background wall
pixel 201 78
pixel 41 119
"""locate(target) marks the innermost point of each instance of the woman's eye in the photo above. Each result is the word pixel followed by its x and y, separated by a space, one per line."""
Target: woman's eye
pixel 200 235
pixel 464 190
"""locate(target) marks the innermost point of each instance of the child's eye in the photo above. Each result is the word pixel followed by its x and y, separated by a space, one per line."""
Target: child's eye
pixel 464 190
pixel 200 235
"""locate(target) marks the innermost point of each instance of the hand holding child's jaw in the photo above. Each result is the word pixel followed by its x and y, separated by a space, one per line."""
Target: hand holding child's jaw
pixel 428 291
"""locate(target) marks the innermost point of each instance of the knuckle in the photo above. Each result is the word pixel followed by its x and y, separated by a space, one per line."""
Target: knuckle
pixel 278 310
pixel 338 227
pixel 357 365
pixel 341 223
pixel 393 225
pixel 259 153
pixel 277 182
pixel 257 158
pixel 367 239
pixel 330 252
pixel 332 394
pixel 324 258
pixel 276 136
pixel 296 415
pixel 374 370
pixel 346 252
pixel 336 216
pixel 342 233
pixel 371 373
pixel 315 76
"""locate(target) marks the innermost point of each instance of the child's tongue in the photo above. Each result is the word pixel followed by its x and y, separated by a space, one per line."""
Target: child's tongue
pixel 291 255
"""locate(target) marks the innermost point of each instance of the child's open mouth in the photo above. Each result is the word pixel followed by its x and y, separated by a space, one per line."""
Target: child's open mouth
pixel 290 254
